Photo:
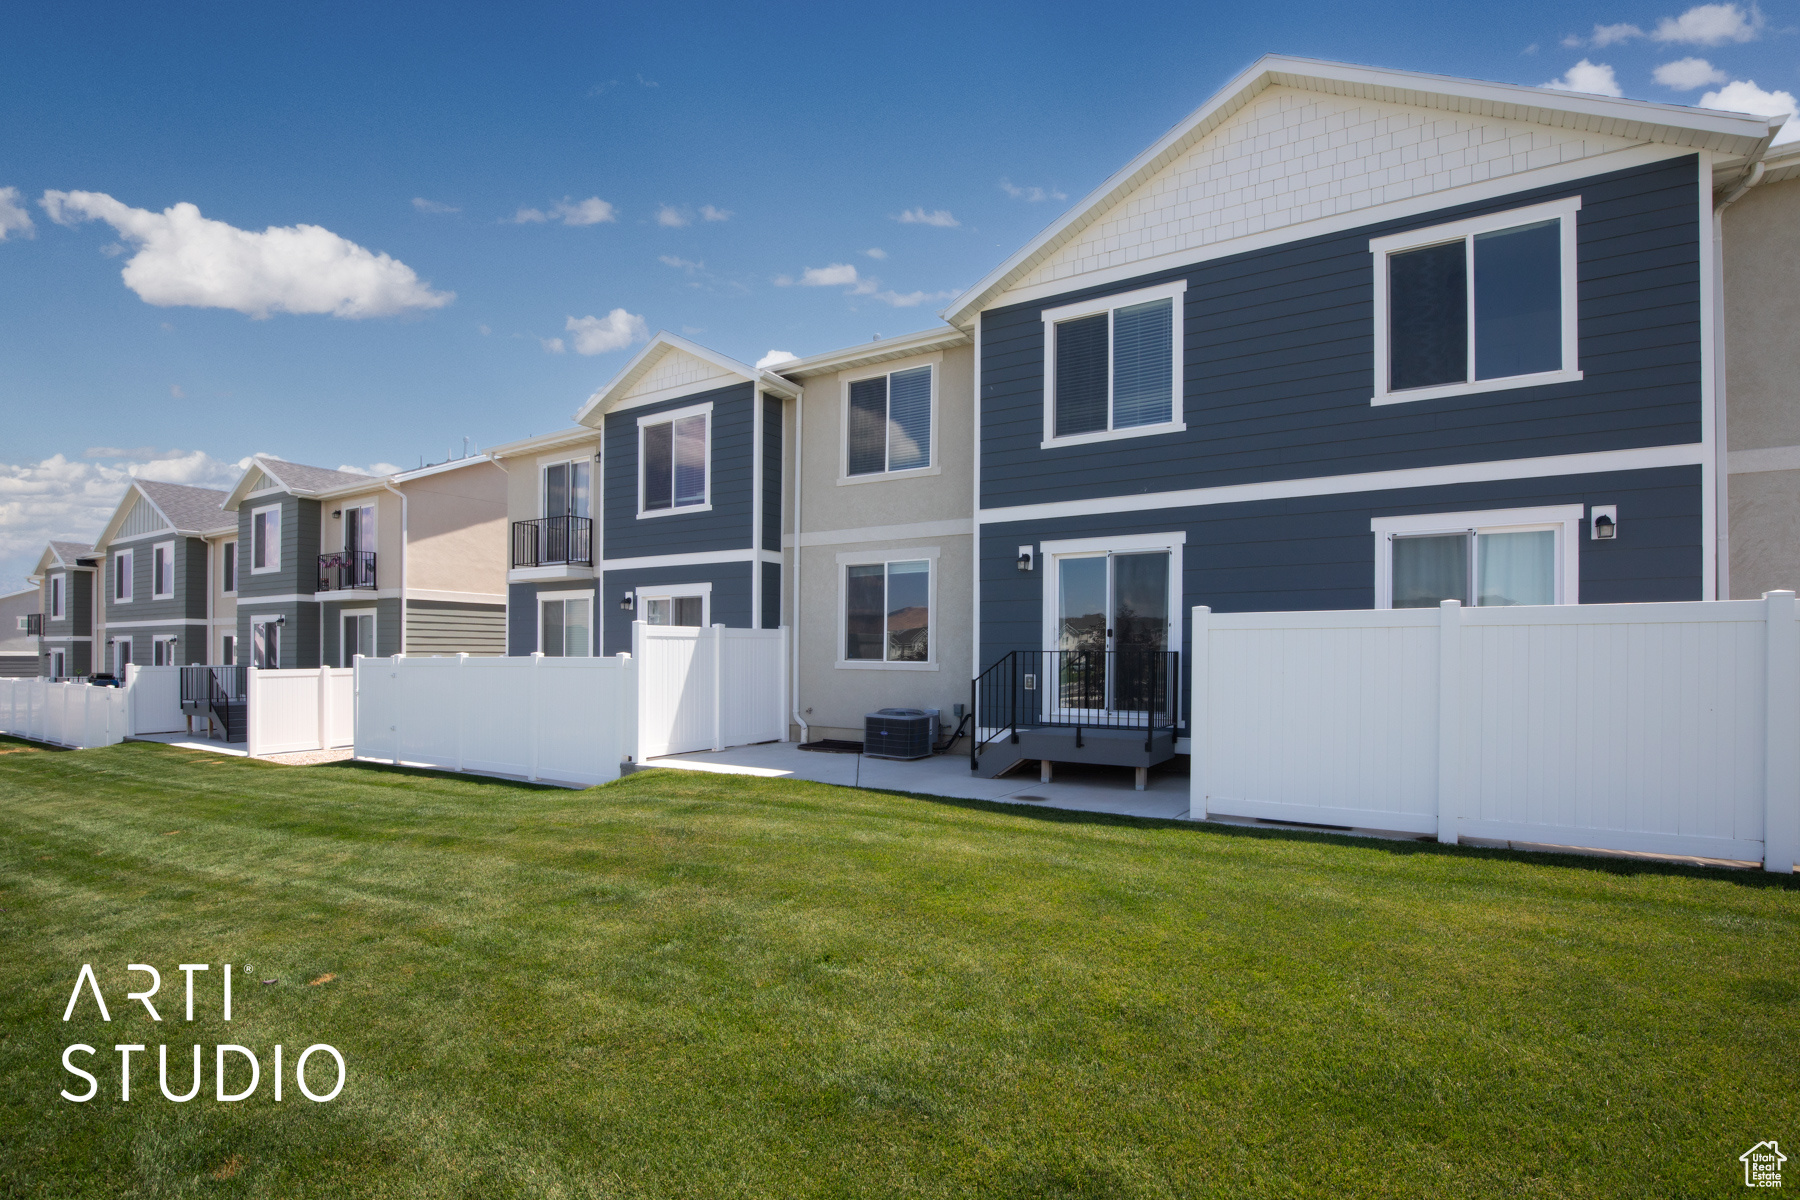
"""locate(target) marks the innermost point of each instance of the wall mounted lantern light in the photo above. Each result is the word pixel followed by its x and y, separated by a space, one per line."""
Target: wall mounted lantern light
pixel 628 601
pixel 1603 521
pixel 1025 557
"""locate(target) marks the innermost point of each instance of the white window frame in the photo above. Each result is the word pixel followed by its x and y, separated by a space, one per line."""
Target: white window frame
pixel 932 465
pixel 593 599
pixel 227 659
pixel 641 597
pixel 1174 291
pixel 167 550
pixel 1563 519
pixel 56 597
pixel 670 416
pixel 361 610
pixel 163 644
pixel 272 544
pixel 544 465
pixel 1049 552
pixel 344 524
pixel 59 664
pixel 870 558
pixel 1380 248
pixel 122 577
pixel 229 555
pixel 271 621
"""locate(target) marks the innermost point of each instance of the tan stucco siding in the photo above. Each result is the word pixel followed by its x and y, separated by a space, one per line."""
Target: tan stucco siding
pixel 456 527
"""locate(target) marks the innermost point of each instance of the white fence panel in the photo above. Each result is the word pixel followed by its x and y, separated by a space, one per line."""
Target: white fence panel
pixel 569 720
pixel 1668 728
pixel 80 715
pixel 753 686
pixel 290 711
pixel 709 688
pixel 154 699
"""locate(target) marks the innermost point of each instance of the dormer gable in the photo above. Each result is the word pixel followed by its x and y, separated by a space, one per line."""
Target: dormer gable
pixel 141 518
pixel 670 367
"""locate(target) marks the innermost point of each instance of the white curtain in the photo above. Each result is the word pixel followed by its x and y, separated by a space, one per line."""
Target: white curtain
pixel 1516 568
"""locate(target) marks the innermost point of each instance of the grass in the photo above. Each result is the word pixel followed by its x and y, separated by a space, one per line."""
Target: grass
pixel 698 985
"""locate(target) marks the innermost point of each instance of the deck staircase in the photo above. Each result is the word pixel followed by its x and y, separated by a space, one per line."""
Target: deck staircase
pixel 221 695
pixel 1104 707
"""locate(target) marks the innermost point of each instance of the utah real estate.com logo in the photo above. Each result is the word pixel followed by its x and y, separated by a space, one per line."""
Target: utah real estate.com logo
pixel 1762 1165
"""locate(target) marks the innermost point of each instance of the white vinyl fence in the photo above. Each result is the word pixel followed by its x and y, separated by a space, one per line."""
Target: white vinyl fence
pixel 566 720
pixel 81 715
pixel 1666 728
pixel 293 710
pixel 702 688
pixel 154 700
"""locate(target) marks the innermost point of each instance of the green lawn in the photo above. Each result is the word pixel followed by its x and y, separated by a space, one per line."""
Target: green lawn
pixel 696 985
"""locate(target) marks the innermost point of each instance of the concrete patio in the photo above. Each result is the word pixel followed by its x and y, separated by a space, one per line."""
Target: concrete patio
pixel 1073 786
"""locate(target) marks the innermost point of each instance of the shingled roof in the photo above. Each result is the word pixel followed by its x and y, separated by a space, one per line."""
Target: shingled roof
pixel 189 509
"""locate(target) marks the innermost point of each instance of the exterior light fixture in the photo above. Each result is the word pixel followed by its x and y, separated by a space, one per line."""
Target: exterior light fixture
pixel 1603 522
pixel 281 620
pixel 628 601
pixel 1024 558
pixel 337 514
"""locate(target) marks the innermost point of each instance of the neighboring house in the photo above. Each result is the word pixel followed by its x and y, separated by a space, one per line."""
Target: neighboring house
pixel 331 564
pixel 553 544
pixel 19 632
pixel 1762 435
pixel 156 555
pixel 1356 338
pixel 879 569
pixel 66 575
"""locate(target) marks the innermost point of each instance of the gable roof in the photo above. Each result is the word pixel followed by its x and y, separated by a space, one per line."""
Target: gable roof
pixel 61 554
pixel 871 353
pixel 296 479
pixel 661 347
pixel 1637 120
pixel 188 509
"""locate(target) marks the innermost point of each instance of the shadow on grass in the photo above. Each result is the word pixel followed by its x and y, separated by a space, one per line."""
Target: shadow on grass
pixel 353 764
pixel 7 739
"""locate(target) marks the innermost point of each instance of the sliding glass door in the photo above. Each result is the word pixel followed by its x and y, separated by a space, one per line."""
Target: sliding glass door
pixel 1111 633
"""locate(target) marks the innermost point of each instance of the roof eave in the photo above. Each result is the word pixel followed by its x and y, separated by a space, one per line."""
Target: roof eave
pixel 664 341
pixel 922 342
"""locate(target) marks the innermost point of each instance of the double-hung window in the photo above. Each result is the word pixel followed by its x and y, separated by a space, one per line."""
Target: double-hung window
pixel 1113 366
pixel 1477 305
pixel 886 616
pixel 565 629
pixel 265 539
pixel 888 423
pixel 162 571
pixel 122 577
pixel 228 568
pixel 673 460
pixel 1483 559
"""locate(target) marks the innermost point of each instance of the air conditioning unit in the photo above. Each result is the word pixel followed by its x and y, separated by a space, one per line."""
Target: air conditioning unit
pixel 900 733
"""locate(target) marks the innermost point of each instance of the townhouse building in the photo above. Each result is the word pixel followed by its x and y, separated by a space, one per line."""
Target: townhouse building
pixel 332 564
pixel 20 629
pixel 156 553
pixel 67 595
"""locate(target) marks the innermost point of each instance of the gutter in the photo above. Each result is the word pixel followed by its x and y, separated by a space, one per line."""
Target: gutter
pixel 794 639
pixel 405 529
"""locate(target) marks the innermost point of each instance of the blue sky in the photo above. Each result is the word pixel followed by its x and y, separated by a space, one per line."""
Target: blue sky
pixel 527 167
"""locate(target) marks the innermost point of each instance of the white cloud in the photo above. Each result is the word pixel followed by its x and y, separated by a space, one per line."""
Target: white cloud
pixel 918 216
pixel 1686 74
pixel 836 275
pixel 709 213
pixel 1742 95
pixel 1711 25
pixel 680 264
pixel 13 218
pixel 615 331
pixel 71 499
pixel 485 329
pixel 670 218
pixel 1584 76
pixel 176 393
pixel 552 345
pixel 182 258
pixel 380 468
pixel 911 299
pixel 433 206
pixel 1031 194
pixel 113 249
pixel 592 211
pixel 1612 35
pixel 649 83
pixel 876 252
pixel 775 358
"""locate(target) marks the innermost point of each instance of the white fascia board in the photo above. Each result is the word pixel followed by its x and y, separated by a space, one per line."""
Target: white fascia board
pixel 650 355
pixel 869 353
pixel 1675 124
pixel 544 442
pixel 258 464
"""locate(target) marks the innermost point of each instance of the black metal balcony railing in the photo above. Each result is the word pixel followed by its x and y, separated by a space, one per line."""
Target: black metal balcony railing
pixel 553 541
pixel 1132 688
pixel 34 624
pixel 346 569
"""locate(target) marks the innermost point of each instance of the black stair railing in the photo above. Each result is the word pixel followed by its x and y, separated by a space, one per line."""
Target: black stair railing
pixel 1130 688
pixel 553 541
pixel 343 570
pixel 223 692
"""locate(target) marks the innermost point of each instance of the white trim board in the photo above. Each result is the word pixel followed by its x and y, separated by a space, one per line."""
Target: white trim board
pixel 1549 467
pixel 172 621
pixel 1770 458
pixel 869 558
pixel 703 559
pixel 956 527
pixel 1565 519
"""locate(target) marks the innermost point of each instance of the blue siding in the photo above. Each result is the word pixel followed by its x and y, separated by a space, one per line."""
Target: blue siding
pixel 1279 361
pixel 730 596
pixel 727 526
pixel 771 597
pixel 522 609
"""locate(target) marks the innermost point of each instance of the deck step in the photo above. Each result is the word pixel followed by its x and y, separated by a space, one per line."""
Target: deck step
pixel 1077 744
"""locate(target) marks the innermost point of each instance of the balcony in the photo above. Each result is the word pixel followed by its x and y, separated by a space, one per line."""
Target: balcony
pixel 346 570
pixel 34 624
pixel 553 542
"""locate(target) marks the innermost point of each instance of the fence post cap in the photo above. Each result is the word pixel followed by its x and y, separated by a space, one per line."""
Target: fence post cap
pixel 1449 603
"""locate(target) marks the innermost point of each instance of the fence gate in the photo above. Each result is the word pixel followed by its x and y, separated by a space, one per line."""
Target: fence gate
pixel 706 688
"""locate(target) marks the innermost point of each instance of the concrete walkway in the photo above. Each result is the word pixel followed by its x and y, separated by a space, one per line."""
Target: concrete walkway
pixel 195 741
pixel 1078 787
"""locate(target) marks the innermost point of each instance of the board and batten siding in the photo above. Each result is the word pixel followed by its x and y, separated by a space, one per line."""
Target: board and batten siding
pixel 727 525
pixel 1279 361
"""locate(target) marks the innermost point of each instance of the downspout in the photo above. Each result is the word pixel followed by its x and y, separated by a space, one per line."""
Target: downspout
pixel 1721 468
pixel 506 557
pixel 404 528
pixel 794 632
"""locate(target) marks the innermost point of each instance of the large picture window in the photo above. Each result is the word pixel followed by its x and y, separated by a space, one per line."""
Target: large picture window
pixel 887 425
pixel 566 628
pixel 1482 559
pixel 1477 305
pixel 673 458
pixel 887 612
pixel 1113 366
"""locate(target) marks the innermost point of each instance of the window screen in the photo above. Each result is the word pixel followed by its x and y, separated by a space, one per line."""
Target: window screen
pixel 1143 364
pixel 675 463
pixel 1428 316
pixel 889 423
pixel 1081 354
